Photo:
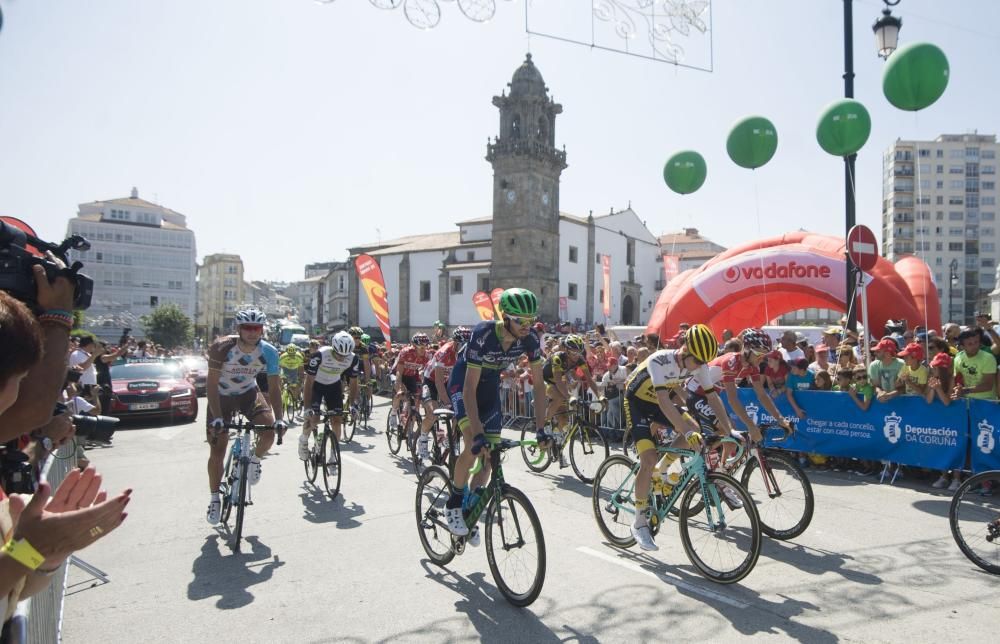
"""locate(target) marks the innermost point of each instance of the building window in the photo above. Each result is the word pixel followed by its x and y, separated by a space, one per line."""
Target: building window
pixel 630 252
pixel 573 252
pixel 456 285
pixel 600 297
pixel 484 282
pixel 513 241
pixel 425 291
pixel 939 169
pixel 940 154
pixel 470 256
pixel 572 291
pixel 988 185
pixel 597 256
pixel 959 246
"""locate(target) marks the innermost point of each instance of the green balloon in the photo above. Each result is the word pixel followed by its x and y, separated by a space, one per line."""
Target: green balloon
pixel 752 142
pixel 843 127
pixel 915 76
pixel 685 172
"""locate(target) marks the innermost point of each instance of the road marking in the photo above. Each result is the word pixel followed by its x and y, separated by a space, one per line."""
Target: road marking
pixel 360 463
pixel 628 565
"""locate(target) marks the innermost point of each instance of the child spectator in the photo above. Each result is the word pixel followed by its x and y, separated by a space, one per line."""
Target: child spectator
pixel 775 374
pixel 863 392
pixel 799 379
pixel 913 375
pixel 823 381
pixel 884 372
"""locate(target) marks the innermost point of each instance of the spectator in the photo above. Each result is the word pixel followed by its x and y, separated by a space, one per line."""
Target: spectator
pixel 975 370
pixel 938 388
pixel 775 374
pixel 823 381
pixel 83 358
pixel 789 347
pixel 732 346
pixel 631 359
pixel 613 383
pixel 832 336
pixel 863 392
pixel 727 335
pixel 616 355
pixel 988 334
pixel 884 372
pixel 951 332
pixel 822 361
pixel 895 330
pixel 798 379
pixel 913 375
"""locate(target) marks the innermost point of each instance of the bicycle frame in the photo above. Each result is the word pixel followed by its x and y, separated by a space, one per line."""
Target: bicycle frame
pixel 495 485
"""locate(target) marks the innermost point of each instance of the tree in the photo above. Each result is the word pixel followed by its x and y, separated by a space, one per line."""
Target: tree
pixel 168 326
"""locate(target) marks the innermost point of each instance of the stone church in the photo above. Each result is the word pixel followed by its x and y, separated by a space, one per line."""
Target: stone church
pixel 527 242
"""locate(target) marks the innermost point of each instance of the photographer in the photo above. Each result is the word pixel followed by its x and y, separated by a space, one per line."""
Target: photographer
pixel 83 358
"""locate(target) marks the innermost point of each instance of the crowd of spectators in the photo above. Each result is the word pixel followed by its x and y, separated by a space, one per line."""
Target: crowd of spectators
pixel 39 394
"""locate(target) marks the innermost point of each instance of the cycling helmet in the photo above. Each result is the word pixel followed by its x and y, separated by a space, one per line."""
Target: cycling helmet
pixel 755 340
pixel 292 349
pixel 355 331
pixel 438 324
pixel 701 343
pixel 342 343
pixel 420 339
pixel 365 339
pixel 519 302
pixel 250 316
pixel 462 334
pixel 574 342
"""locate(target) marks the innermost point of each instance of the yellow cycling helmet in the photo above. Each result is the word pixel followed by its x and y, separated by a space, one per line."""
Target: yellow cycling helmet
pixel 701 343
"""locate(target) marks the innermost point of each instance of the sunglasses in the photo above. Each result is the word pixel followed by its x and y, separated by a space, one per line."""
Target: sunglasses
pixel 521 321
pixel 251 327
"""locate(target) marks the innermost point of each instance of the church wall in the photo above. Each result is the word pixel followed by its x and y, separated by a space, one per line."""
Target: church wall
pixel 460 307
pixel 573 234
pixel 424 267
pixel 476 232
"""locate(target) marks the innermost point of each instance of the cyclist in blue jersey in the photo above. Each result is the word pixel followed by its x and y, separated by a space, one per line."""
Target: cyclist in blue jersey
pixel 474 388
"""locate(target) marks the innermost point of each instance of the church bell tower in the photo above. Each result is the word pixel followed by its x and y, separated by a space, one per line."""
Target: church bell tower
pixel 526 170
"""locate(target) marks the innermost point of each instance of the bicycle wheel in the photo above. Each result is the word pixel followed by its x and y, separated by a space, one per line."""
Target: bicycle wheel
pixel 349 425
pixel 723 543
pixel 530 453
pixel 241 505
pixel 411 433
pixel 782 493
pixel 433 491
pixel 975 520
pixel 226 492
pixel 330 464
pixel 311 464
pixel 393 436
pixel 587 450
pixel 515 547
pixel 613 499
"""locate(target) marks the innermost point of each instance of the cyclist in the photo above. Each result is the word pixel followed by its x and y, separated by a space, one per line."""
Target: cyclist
pixel 324 375
pixel 291 363
pixel 361 367
pixel 440 331
pixel 408 367
pixel 233 364
pixel 648 407
pixel 474 388
pixel 435 389
pixel 556 371
pixel 746 364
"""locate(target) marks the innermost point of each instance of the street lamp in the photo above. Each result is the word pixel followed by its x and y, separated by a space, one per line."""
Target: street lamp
pixel 886 34
pixel 953 282
pixel 886 30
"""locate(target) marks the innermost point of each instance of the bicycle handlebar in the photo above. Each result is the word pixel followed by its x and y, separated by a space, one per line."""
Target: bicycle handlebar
pixel 505 444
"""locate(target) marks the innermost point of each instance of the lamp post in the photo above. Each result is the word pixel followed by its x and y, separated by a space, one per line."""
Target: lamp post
pixel 952 283
pixel 886 31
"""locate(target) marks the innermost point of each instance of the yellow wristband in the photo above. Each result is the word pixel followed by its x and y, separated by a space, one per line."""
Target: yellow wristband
pixel 24 553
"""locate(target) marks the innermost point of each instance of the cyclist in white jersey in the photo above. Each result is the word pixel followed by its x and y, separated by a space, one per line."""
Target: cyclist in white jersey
pixel 233 365
pixel 325 374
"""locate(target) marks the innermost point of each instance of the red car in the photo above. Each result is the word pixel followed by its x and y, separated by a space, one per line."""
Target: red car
pixel 148 389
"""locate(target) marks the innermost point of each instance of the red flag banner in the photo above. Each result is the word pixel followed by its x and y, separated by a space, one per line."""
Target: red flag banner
pixel 606 261
pixel 563 307
pixel 484 307
pixel 370 275
pixel 495 296
pixel 671 267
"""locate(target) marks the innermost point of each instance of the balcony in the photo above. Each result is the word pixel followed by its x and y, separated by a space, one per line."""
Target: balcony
pixel 660 285
pixel 903 218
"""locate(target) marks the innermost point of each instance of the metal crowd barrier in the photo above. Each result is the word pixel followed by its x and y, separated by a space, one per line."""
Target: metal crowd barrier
pixel 517 409
pixel 39 618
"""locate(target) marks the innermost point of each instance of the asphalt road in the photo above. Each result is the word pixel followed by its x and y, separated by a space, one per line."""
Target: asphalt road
pixel 877 564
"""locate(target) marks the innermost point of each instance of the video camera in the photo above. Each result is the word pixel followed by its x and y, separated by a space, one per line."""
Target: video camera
pixel 17 277
pixel 95 427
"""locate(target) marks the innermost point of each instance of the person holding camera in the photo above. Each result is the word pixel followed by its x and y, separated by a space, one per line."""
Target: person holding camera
pixel 83 358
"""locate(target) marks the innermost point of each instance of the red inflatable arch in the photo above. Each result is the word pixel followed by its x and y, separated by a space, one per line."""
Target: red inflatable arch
pixel 751 284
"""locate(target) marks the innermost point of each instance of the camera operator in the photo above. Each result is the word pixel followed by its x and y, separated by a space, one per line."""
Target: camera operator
pixel 103 367
pixel 83 358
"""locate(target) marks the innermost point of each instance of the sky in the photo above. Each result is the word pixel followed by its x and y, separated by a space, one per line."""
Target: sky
pixel 288 131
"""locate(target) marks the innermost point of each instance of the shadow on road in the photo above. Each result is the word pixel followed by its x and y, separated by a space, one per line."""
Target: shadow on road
pixel 939 507
pixel 816 562
pixel 230 577
pixel 354 447
pixel 318 508
pixel 566 480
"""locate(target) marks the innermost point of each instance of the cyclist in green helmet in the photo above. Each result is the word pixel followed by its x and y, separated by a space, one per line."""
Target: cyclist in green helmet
pixel 474 389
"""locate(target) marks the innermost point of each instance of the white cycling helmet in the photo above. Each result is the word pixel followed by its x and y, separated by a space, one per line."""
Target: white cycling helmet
pixel 250 316
pixel 342 343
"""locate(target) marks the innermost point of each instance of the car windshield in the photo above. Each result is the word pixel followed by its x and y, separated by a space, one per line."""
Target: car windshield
pixel 145 370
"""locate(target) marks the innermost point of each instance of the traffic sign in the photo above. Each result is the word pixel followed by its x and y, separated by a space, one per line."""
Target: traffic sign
pixel 862 247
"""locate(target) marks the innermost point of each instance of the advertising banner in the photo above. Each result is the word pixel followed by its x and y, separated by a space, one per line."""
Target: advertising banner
pixel 984 421
pixel 484 307
pixel 563 307
pixel 370 275
pixel 495 297
pixel 606 262
pixel 905 430
pixel 671 267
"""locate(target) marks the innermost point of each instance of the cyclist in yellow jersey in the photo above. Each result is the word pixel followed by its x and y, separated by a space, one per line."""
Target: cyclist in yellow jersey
pixel 556 371
pixel 292 364
pixel 648 406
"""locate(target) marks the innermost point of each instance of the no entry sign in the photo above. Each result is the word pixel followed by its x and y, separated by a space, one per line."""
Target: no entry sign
pixel 862 247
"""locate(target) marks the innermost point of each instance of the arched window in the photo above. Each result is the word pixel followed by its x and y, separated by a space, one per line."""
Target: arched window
pixel 515 127
pixel 542 133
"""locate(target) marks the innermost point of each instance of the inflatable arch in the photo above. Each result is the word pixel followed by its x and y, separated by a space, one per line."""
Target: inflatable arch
pixel 756 282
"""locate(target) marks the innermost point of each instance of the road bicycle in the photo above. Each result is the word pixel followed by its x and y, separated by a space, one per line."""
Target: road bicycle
pixel 587 446
pixel 515 545
pixel 722 540
pixel 974 516
pixel 407 426
pixel 779 487
pixel 324 454
pixel 444 443
pixel 365 402
pixel 291 398
pixel 234 489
